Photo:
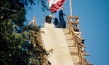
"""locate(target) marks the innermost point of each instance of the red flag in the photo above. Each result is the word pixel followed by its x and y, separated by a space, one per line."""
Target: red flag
pixel 54 5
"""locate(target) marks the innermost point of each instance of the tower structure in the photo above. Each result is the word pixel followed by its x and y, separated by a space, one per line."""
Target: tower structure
pixel 67 44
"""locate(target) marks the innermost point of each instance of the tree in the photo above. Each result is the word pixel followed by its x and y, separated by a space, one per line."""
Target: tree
pixel 17 46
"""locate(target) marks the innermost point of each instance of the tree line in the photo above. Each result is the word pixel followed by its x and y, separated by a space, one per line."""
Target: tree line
pixel 18 45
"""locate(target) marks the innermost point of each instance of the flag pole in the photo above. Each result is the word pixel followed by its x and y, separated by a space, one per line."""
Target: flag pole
pixel 71 10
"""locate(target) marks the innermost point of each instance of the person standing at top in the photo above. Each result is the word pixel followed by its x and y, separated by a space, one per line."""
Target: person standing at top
pixel 62 21
pixel 56 22
pixel 48 18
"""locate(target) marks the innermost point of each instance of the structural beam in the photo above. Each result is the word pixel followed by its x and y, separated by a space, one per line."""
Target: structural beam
pixel 73 17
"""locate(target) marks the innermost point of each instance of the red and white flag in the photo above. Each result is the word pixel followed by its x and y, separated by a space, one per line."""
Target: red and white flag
pixel 54 5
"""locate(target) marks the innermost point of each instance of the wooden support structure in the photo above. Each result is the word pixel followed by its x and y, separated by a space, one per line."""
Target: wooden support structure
pixel 34 23
pixel 38 37
pixel 78 42
pixel 74 24
pixel 77 49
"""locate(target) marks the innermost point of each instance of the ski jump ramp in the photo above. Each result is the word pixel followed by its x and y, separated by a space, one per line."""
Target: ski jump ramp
pixel 53 38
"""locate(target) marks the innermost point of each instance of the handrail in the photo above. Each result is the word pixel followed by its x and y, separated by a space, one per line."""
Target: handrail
pixel 76 39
